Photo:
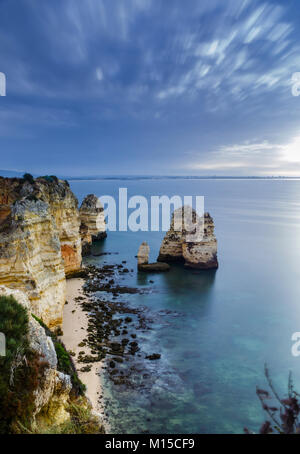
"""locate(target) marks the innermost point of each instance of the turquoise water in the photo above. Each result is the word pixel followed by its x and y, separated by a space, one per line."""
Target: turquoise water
pixel 222 326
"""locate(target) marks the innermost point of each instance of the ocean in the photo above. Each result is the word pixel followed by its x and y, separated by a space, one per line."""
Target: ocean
pixel 215 330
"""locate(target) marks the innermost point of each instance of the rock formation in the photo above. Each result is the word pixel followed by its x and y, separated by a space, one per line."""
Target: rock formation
pixel 86 240
pixel 53 392
pixel 195 250
pixel 143 259
pixel 143 254
pixel 92 218
pixel 63 206
pixel 39 241
pixel 31 260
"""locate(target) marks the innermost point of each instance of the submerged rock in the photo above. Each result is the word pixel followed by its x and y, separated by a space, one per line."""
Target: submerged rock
pixel 157 267
pixel 191 242
pixel 153 357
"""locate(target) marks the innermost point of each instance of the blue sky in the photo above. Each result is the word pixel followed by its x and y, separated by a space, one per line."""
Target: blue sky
pixel 167 87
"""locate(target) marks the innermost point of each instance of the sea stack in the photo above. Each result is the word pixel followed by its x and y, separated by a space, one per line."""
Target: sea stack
pixel 181 246
pixel 143 259
pixel 92 218
pixel 143 254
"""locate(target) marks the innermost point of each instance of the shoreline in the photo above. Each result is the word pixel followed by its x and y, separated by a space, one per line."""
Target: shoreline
pixel 75 324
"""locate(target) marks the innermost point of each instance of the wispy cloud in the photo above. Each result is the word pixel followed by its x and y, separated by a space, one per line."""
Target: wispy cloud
pixel 151 76
pixel 257 158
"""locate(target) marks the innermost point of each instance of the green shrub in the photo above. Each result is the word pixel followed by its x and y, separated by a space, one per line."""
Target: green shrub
pixel 50 178
pixel 21 368
pixel 65 362
pixel 28 177
pixel 81 421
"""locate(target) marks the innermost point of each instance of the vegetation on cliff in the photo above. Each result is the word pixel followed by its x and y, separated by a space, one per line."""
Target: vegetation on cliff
pixel 65 363
pixel 21 368
pixel 24 371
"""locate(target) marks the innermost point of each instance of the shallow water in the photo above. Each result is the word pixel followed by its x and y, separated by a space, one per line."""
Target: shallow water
pixel 214 330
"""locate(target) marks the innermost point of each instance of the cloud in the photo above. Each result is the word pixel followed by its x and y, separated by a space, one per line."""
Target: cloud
pixel 133 41
pixel 251 158
pixel 99 74
pixel 160 73
pixel 236 55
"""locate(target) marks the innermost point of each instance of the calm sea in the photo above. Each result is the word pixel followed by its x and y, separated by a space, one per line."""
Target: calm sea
pixel 214 330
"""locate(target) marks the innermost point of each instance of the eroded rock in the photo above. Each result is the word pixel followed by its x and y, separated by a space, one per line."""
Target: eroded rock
pixel 53 391
pixel 143 259
pixel 92 217
pixel 196 248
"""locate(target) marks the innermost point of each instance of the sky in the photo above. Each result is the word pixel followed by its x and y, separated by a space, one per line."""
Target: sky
pixel 150 87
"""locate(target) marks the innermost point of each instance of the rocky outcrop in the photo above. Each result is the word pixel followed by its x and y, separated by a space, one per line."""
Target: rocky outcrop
pixel 52 394
pixel 143 259
pixel 195 248
pixel 92 220
pixel 39 241
pixel 63 207
pixel 86 240
pixel 31 260
pixel 143 254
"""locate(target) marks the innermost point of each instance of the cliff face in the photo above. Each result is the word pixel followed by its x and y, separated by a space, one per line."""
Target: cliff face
pixel 63 206
pixel 92 219
pixel 180 246
pixel 52 394
pixel 39 241
pixel 30 258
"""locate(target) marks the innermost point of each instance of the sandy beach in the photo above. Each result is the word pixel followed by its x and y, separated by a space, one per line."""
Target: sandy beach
pixel 75 323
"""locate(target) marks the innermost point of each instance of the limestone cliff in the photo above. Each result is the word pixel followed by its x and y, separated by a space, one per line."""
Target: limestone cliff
pixel 31 260
pixel 52 394
pixel 195 250
pixel 86 240
pixel 92 221
pixel 39 241
pixel 63 206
